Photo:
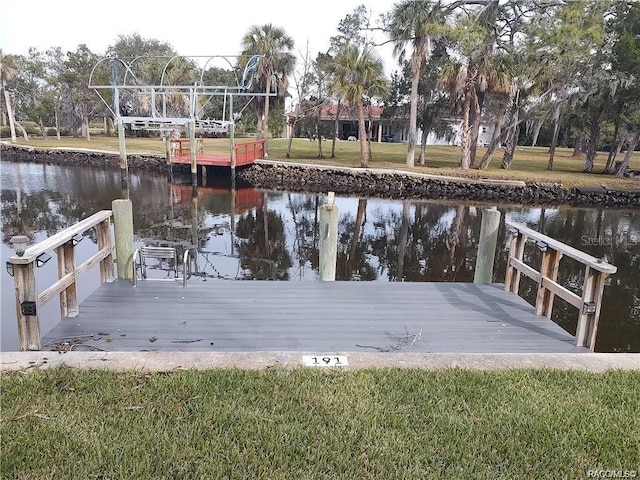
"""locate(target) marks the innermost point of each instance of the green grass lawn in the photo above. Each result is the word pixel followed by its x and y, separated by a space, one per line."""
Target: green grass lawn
pixel 530 163
pixel 311 424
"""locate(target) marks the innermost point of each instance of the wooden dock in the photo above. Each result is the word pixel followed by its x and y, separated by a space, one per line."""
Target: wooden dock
pixel 246 316
pixel 324 317
pixel 245 154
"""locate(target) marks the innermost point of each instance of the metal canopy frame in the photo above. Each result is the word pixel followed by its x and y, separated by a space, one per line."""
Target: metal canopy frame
pixel 196 96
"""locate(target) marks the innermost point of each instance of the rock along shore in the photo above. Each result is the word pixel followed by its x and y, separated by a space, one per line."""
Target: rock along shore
pixel 366 182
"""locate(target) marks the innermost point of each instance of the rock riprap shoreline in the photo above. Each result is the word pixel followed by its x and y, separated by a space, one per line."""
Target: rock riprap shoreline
pixel 366 182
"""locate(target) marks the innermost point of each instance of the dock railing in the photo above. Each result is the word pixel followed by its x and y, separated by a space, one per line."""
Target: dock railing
pixel 596 272
pixel 181 147
pixel 247 152
pixel 23 269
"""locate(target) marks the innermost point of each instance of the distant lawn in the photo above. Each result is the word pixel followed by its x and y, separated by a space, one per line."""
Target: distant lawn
pixel 310 424
pixel 529 165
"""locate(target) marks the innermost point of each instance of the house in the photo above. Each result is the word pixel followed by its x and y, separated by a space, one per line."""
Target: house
pixel 382 129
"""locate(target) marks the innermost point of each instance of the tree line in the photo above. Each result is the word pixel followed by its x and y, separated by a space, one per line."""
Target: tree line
pixel 556 72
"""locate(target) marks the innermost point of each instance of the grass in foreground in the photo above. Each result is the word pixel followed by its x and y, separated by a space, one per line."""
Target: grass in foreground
pixel 310 424
pixel 530 163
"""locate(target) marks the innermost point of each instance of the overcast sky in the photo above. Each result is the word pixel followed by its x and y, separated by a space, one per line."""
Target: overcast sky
pixel 192 28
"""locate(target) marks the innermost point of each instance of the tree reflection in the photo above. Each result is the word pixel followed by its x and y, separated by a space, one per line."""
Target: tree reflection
pixel 427 247
pixel 261 245
pixel 353 259
pixel 62 196
pixel 304 214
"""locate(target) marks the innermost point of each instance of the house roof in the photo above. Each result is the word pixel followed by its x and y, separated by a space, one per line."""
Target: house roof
pixel 328 112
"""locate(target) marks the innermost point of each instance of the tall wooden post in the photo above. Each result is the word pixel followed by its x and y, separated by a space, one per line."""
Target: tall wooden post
pixel 194 219
pixel 232 134
pixel 193 151
pixel 124 167
pixel 328 240
pixel 27 306
pixel 487 246
pixel 123 228
pixel 167 148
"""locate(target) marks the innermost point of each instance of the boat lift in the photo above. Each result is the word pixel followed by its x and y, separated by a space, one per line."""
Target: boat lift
pixel 158 99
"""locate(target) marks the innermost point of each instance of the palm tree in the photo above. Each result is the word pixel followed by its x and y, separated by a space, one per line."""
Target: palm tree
pixel 479 73
pixel 277 62
pixel 358 74
pixel 8 71
pixel 412 22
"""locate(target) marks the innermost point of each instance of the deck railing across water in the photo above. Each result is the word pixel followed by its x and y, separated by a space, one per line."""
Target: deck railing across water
pixel 596 272
pixel 247 152
pixel 23 267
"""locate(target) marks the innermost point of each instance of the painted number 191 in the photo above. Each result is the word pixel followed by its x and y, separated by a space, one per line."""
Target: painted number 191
pixel 325 361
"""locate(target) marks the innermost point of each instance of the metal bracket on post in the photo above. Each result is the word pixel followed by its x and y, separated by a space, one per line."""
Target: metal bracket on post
pixel 29 308
pixel 589 308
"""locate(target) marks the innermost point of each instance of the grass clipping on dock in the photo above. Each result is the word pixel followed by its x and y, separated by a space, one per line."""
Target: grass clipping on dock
pixel 310 424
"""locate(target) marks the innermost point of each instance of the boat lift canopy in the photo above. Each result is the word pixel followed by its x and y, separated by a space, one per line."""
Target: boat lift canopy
pixel 158 98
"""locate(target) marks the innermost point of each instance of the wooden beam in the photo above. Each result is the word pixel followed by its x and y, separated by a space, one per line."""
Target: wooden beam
pixel 562 292
pixel 549 269
pixel 60 238
pixel 68 279
pixel 526 269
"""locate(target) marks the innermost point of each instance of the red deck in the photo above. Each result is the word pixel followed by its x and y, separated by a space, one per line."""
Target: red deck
pixel 246 153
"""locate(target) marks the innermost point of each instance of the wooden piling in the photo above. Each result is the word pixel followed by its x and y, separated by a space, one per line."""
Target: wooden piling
pixel 487 246
pixel 123 227
pixel 122 146
pixel 167 148
pixel 193 152
pixel 328 240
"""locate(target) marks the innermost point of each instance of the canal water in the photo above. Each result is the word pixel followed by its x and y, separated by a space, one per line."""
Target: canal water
pixel 252 234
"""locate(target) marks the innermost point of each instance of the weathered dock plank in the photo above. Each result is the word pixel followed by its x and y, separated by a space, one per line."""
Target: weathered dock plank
pixel 252 316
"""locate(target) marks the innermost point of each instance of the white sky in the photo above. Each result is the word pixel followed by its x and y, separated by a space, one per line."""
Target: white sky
pixel 192 28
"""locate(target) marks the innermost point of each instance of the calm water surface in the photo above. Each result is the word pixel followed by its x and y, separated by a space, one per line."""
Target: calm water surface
pixel 252 234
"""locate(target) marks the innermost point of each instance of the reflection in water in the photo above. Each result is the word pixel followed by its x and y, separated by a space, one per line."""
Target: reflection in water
pixel 248 234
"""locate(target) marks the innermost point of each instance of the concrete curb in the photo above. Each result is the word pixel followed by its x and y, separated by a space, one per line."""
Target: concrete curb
pixel 170 361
